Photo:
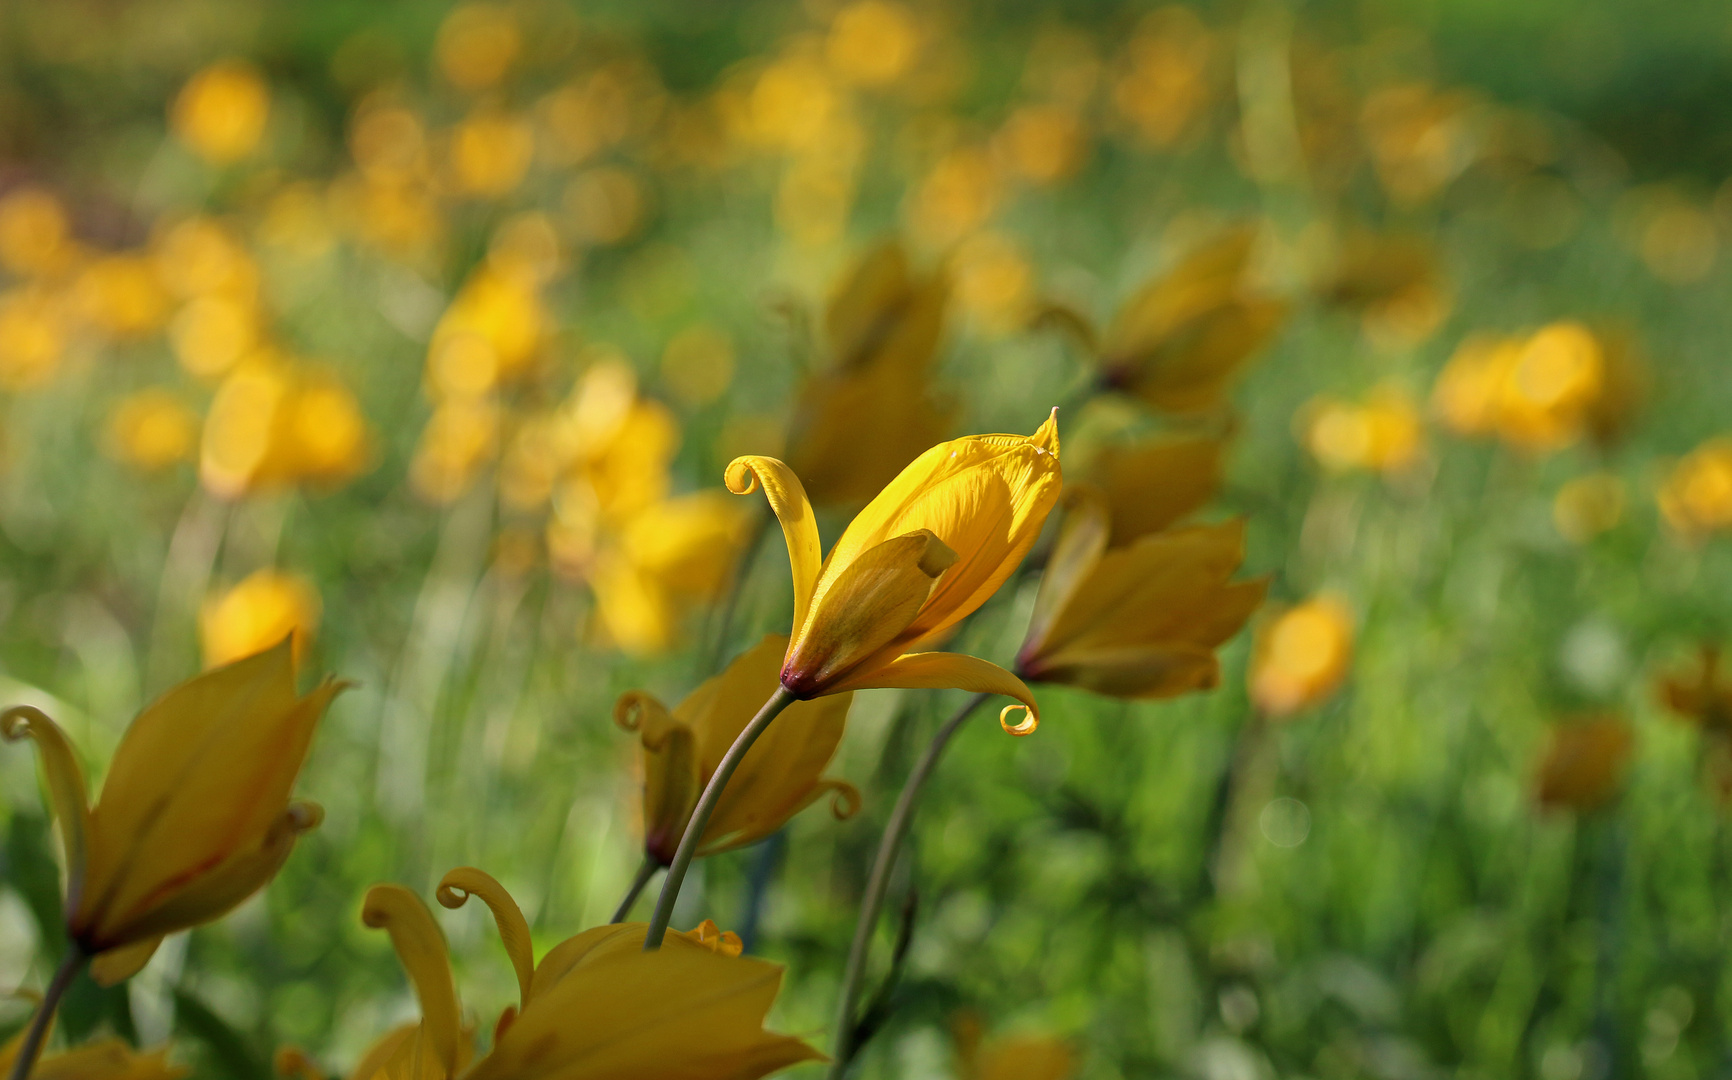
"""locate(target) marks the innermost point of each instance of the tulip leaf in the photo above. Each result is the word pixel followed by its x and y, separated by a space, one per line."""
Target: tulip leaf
pixel 231 1053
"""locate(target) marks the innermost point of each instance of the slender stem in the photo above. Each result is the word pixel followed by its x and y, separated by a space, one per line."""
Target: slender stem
pixel 644 872
pixel 688 848
pixel 70 966
pixel 879 883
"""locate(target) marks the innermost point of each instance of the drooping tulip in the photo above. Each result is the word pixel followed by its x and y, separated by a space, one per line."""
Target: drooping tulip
pixel 595 1006
pixel 780 776
pixel 104 1059
pixel 195 814
pixel 1142 620
pixel 922 555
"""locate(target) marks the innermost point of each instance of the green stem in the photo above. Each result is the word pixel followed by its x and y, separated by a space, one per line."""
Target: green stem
pixel 68 970
pixel 644 872
pixel 878 884
pixel 694 834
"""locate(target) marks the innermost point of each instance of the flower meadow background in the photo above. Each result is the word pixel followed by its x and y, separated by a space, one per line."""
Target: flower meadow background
pixel 430 331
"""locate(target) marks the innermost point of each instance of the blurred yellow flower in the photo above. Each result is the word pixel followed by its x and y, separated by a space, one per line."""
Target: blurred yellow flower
pixel 956 197
pixel 35 235
pixel 102 1059
pixel 1179 341
pixel 1166 85
pixel 792 103
pixel 459 439
pixel 872 42
pixel 1704 698
pixel 1138 621
pixel 152 429
pixel 1420 138
pixel 1393 281
pixel 1540 392
pixel 1022 1057
pixel 666 557
pixel 781 775
pixel 1584 763
pixel 477 45
pixel 195 814
pixel 200 256
pixel 1302 656
pixel 596 1005
pixel 491 152
pixel 871 412
pixel 1384 433
pixel 210 334
pixel 272 424
pixel 1696 497
pixel 33 336
pixel 489 335
pixel 1044 143
pixel 388 142
pixel 926 552
pixel 221 111
pixel 121 296
pixel 1587 506
pixel 297 221
pixel 263 609
pixel 994 281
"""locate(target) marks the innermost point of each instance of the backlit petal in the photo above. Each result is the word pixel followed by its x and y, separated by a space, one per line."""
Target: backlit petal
pixel 455 889
pixel 421 947
pixel 954 671
pixel 66 790
pixel 866 607
pixel 118 965
pixel 1080 544
pixel 799 528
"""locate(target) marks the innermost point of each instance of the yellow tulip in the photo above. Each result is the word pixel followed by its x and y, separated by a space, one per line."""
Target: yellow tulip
pixel 871 412
pixel 1152 483
pixel 221 111
pixel 105 1059
pixel 1139 621
pixel 1180 341
pixel 195 814
pixel 595 1006
pixel 922 555
pixel 272 424
pixel 667 558
pixel 781 775
pixel 263 609
pixel 1382 433
pixel 1584 763
pixel 1302 656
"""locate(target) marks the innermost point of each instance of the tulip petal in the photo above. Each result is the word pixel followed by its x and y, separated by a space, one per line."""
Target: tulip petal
pixel 864 609
pixel 421 947
pixel 66 790
pixel 953 671
pixel 799 528
pixel 455 889
pixel 117 965
pixel 1081 542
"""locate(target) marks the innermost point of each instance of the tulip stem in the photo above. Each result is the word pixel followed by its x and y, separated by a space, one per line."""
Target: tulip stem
pixel 878 884
pixel 70 966
pixel 644 872
pixel 694 834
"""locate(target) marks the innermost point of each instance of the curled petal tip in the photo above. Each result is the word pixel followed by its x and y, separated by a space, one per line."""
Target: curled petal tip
pixel 1029 721
pixel 303 815
pixel 740 477
pixel 629 709
pixel 844 799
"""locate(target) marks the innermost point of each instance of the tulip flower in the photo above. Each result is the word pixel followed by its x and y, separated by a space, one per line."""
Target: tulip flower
pixel 195 814
pixel 1139 621
pixel 596 1005
pixel 1182 339
pixel 1585 763
pixel 779 777
pixel 1152 483
pixel 1302 657
pixel 1696 497
pixel 922 555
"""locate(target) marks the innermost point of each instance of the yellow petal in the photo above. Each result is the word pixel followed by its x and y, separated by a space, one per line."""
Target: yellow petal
pixel 1081 542
pixel 868 606
pixel 455 889
pixel 985 497
pixel 1152 484
pixel 292 1063
pixel 421 947
pixel 118 965
pixel 66 791
pixel 1135 671
pixel 213 892
pixel 853 431
pixel 684 1011
pixel 373 1061
pixel 108 1059
pixel 954 671
pixel 799 528
pixel 882 316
